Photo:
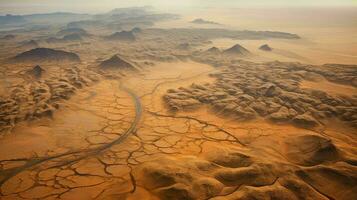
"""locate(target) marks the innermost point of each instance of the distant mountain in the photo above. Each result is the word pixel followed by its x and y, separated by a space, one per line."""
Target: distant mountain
pixel 117 19
pixel 236 50
pixel 46 55
pixel 115 62
pixel 29 44
pixel 123 35
pixel 57 17
pixel 202 21
pixel 46 18
pixel 69 31
pixel 130 10
pixel 12 19
pixel 67 38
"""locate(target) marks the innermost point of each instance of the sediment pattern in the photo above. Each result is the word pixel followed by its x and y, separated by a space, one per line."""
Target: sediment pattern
pixel 247 90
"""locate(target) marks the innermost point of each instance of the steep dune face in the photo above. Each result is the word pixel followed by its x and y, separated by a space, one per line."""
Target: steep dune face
pixel 46 55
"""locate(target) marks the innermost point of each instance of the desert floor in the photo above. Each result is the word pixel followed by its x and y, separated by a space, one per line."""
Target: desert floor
pixel 149 134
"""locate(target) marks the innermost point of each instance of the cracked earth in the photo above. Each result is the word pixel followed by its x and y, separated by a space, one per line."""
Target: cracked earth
pixel 121 140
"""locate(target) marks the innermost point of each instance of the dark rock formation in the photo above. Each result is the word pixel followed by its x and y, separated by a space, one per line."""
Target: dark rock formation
pixel 46 55
pixel 265 47
pixel 236 50
pixel 123 36
pixel 115 62
pixel 36 71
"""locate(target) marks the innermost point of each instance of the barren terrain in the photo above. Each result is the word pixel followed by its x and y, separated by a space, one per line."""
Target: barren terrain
pixel 123 106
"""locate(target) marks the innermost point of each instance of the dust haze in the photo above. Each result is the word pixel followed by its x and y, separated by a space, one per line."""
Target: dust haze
pixel 149 100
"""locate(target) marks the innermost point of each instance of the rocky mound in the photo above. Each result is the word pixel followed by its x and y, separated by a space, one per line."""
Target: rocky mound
pixel 236 50
pixel 46 55
pixel 213 50
pixel 265 47
pixel 115 62
pixel 70 31
pixel 36 72
pixel 123 36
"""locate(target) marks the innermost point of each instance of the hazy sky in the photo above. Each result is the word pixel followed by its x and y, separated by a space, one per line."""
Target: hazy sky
pixel 96 6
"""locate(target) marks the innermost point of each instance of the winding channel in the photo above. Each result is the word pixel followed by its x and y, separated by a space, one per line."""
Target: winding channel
pixel 9 173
